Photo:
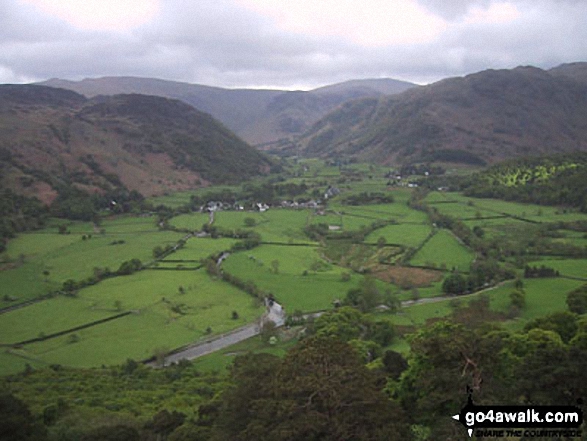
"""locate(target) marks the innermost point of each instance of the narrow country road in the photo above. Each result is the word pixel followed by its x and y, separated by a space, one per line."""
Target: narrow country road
pixel 277 315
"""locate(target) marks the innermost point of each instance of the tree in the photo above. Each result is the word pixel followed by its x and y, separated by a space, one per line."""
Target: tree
pixel 577 300
pixel 165 422
pixel 454 284
pixel 129 266
pixel 16 421
pixel 381 241
pixel 320 391
pixel 268 330
pixel 275 266
pixel 346 323
pixel 518 298
pixel 564 323
pixel 366 296
pixel 250 222
pixel 118 432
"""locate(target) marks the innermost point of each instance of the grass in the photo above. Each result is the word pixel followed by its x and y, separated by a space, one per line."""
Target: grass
pixel 463 211
pixel 411 235
pixel 48 317
pixel 538 213
pixel 11 362
pixel 294 290
pixel 566 267
pixel 275 225
pixel 444 250
pixel 221 360
pixel 151 295
pixel 197 248
pixel 192 221
pixel 46 259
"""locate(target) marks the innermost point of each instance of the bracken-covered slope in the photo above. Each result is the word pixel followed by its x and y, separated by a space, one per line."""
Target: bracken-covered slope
pixel 258 116
pixel 481 118
pixel 54 138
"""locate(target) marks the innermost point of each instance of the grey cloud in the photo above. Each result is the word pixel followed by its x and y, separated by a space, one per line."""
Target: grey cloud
pixel 451 9
pixel 217 43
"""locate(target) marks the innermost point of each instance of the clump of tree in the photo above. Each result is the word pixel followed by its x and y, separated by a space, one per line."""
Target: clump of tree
pixel 577 300
pixel 320 390
pixel 129 267
pixel 547 180
pixel 160 251
pixel 532 272
pixel 17 214
pixel 366 198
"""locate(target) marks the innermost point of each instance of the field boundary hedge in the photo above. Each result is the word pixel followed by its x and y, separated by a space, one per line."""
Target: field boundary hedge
pixel 67 331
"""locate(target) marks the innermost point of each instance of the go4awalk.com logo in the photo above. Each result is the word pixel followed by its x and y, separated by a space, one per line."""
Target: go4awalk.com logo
pixel 528 421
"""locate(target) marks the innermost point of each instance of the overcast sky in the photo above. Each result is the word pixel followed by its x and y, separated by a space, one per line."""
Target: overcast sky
pixel 284 43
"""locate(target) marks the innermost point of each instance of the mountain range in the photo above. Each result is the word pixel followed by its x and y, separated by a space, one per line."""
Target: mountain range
pixel 153 139
pixel 53 140
pixel 480 118
pixel 260 117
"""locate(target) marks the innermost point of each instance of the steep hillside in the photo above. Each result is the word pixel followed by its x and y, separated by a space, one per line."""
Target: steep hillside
pixel 548 180
pixel 574 71
pixel 484 117
pixel 258 116
pixel 54 139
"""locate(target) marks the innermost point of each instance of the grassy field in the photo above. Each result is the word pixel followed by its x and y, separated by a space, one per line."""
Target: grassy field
pixel 410 235
pixel 537 213
pixel 191 221
pixel 275 225
pixel 197 248
pixel 170 308
pixel 162 317
pixel 50 316
pixel 444 250
pixel 461 210
pixel 566 267
pixel 311 292
pixel 41 261
pixel 221 360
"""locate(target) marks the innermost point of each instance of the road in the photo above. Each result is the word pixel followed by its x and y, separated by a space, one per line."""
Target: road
pixel 275 314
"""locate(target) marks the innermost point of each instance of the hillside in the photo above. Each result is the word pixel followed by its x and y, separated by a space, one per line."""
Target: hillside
pixel 54 139
pixel 481 118
pixel 548 180
pixel 258 116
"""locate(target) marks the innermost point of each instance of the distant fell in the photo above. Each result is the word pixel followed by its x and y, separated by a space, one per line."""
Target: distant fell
pixel 53 140
pixel 258 116
pixel 480 118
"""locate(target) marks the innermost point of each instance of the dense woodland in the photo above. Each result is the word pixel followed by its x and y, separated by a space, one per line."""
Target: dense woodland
pixel 553 180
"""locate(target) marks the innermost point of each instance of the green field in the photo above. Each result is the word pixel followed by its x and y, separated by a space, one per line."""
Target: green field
pixel 410 235
pixel 566 267
pixel 197 248
pixel 192 221
pixel 311 292
pixel 42 261
pixel 444 250
pixel 162 317
pixel 276 225
pixel 463 211
pixel 176 302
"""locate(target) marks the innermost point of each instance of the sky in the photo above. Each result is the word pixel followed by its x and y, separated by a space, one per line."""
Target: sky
pixel 286 44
